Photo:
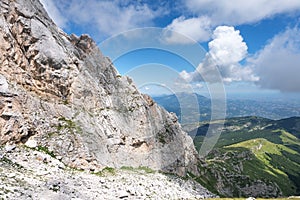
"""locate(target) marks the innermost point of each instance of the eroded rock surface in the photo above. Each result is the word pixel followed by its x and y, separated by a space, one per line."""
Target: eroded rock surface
pixel 60 92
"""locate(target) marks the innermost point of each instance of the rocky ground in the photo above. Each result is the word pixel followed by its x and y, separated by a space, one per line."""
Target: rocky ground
pixel 36 174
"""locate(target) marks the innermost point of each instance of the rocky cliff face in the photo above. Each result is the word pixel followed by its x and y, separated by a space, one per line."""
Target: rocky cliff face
pixel 60 92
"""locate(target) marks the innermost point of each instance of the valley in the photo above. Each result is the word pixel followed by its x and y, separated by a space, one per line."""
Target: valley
pixel 253 156
pixel 189 103
pixel 258 151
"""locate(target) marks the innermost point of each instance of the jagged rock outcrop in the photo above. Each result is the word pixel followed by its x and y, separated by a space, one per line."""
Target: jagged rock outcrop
pixel 59 91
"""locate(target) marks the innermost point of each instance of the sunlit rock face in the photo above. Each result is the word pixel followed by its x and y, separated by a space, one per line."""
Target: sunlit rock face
pixel 60 91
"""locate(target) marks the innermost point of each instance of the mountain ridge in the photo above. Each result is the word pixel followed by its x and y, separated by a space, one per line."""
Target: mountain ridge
pixel 61 92
pixel 254 156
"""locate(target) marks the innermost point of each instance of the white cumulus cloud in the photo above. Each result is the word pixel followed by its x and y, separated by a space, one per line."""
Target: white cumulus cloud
pixel 184 31
pixel 221 63
pixel 227 46
pixel 234 12
pixel 278 63
pixel 208 14
pixel 111 17
pixel 104 17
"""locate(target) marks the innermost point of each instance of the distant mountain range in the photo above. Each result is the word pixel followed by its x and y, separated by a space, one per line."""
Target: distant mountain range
pixel 191 103
pixel 253 156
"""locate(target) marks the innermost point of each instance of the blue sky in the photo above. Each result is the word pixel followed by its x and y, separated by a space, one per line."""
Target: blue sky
pixel 252 46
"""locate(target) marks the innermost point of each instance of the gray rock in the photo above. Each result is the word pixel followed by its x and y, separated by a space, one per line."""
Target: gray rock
pixel 71 99
pixel 10 147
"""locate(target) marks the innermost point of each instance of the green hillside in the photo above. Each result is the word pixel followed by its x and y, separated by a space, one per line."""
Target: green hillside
pixel 253 157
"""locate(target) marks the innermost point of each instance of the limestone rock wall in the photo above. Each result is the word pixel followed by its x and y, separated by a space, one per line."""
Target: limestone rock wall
pixel 60 92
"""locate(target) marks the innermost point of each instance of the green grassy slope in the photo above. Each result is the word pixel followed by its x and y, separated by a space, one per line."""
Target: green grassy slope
pixel 252 150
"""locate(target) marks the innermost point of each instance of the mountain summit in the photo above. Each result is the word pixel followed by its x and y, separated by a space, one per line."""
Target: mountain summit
pixel 59 93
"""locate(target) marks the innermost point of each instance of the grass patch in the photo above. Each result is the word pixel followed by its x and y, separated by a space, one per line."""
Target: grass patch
pixel 65 102
pixel 70 125
pixel 4 191
pixel 127 168
pixel 146 169
pixel 105 172
pixel 138 169
pixel 161 138
pixel 208 181
pixel 46 151
pixel 73 170
pixel 10 162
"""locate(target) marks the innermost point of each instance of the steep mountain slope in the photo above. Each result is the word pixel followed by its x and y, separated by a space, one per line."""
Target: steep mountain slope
pixel 253 157
pixel 59 92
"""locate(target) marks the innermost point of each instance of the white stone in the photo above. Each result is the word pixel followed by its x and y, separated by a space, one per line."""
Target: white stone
pixel 3 84
pixel 31 143
pixel 11 175
pixel 122 194
pixel 9 147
